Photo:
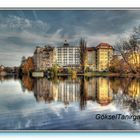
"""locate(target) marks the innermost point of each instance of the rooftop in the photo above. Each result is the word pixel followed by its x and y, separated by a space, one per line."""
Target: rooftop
pixel 104 46
pixel 91 48
pixel 66 44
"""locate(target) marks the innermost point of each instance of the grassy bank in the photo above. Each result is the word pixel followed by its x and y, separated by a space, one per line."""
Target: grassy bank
pixel 101 74
pixel 104 74
pixel 109 74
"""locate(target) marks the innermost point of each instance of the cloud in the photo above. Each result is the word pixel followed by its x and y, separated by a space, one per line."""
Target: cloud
pixel 19 36
pixel 19 24
pixel 21 33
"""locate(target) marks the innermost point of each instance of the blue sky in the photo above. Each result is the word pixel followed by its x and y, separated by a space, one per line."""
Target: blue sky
pixel 22 30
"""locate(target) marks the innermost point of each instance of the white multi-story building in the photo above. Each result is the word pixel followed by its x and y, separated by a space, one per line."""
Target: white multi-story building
pixel 67 56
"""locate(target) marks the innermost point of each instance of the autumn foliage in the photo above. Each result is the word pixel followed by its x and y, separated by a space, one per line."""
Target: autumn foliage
pixel 118 65
pixel 27 83
pixel 27 66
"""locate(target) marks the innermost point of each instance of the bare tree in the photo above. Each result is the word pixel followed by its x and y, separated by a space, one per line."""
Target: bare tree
pixel 130 50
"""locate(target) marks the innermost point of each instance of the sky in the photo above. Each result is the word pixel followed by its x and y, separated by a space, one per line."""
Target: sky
pixel 22 30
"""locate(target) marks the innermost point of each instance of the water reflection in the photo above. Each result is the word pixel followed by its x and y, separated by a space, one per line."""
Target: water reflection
pixel 127 94
pixel 67 90
pixel 90 95
pixel 101 90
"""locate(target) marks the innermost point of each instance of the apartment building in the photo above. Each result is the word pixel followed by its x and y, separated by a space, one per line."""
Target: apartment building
pixel 104 53
pixel 67 56
pixel 91 58
pixel 44 58
pixel 99 57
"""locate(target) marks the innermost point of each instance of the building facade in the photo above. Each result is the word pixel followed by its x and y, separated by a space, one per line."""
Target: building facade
pixel 67 56
pixel 104 54
pixel 98 58
pixel 91 58
pixel 44 58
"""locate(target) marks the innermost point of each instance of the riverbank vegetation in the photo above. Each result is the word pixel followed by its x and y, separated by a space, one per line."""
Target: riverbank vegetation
pixel 128 60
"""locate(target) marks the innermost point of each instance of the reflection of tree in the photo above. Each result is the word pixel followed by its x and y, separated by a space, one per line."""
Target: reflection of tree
pixel 125 83
pixel 27 65
pixel 134 94
pixel 129 97
pixel 120 84
pixel 115 84
pixel 134 88
pixel 83 92
pixel 9 77
pixel 27 83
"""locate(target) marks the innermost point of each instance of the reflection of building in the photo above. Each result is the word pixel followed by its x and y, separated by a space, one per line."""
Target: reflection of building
pixel 134 89
pixel 43 58
pixel 64 91
pixel 104 55
pixel 67 55
pixel 91 89
pixel 43 89
pixel 104 93
pixel 68 91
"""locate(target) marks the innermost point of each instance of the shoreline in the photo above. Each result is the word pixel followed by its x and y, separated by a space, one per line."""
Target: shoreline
pixel 87 74
pixel 109 74
pixel 96 74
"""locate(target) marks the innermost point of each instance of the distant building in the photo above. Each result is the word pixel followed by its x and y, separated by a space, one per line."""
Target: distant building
pixel 91 58
pixel 2 67
pixel 43 58
pixel 104 56
pixel 67 56
pixel 98 58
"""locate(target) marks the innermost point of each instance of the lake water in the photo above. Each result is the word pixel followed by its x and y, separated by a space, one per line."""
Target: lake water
pixel 66 104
